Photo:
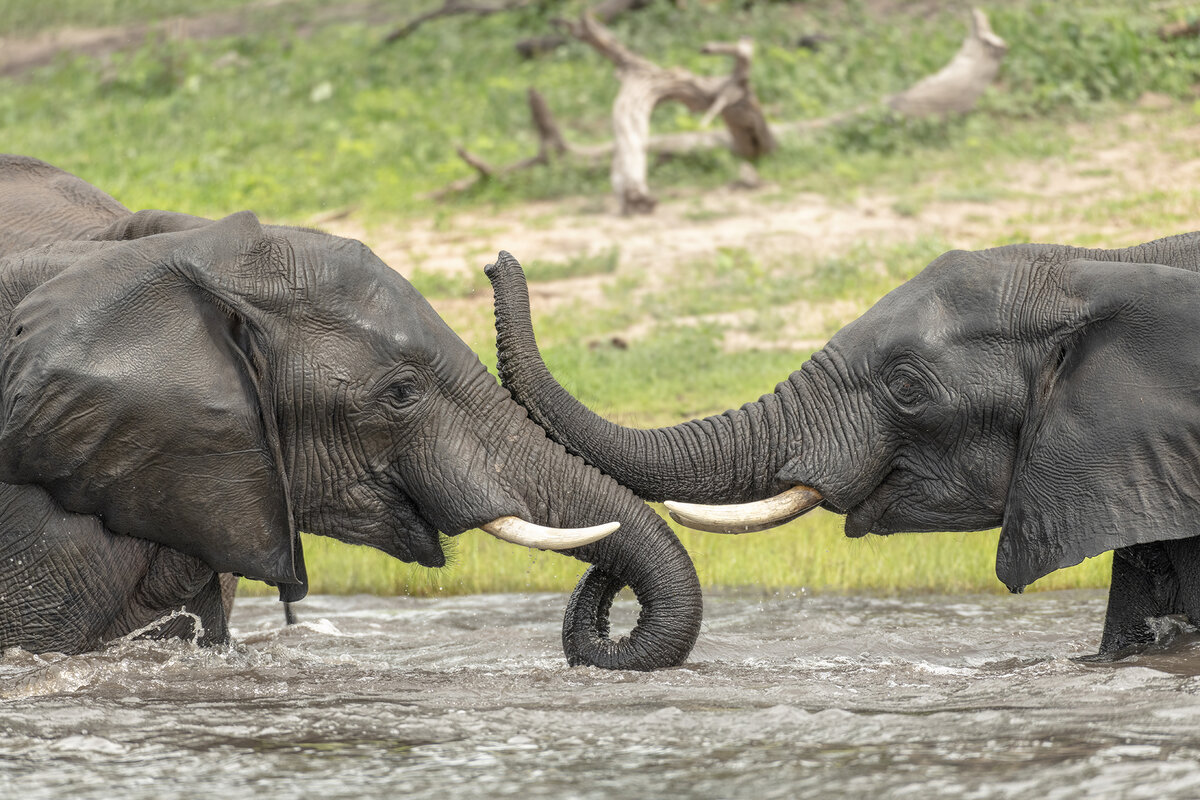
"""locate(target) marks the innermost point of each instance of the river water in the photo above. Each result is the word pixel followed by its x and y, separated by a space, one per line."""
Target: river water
pixel 469 697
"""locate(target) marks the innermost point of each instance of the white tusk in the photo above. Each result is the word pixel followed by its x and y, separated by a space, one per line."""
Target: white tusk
pixel 745 517
pixel 526 534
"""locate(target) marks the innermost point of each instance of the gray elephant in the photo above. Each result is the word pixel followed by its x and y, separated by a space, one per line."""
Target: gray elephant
pixel 178 397
pixel 1050 390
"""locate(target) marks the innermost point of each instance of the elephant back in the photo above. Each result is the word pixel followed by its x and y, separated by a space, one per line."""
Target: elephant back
pixel 40 204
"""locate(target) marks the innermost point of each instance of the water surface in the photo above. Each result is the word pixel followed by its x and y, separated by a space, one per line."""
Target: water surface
pixel 469 697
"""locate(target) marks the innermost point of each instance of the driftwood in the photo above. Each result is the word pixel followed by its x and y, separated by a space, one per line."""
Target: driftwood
pixel 956 88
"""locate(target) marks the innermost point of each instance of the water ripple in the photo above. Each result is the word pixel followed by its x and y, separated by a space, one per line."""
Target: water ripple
pixel 785 696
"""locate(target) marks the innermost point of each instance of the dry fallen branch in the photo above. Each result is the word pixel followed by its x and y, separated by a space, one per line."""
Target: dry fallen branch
pixel 551 144
pixel 605 11
pixel 451 8
pixel 955 88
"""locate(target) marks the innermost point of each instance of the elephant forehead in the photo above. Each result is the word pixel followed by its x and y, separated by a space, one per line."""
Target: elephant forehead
pixel 355 300
pixel 361 343
pixel 903 320
pixel 954 299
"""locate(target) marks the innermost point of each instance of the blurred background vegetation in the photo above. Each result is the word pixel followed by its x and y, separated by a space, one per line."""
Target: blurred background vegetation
pixel 300 112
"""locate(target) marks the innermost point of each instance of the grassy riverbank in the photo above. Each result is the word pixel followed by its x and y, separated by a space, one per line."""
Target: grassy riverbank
pixel 810 554
pixel 304 117
pixel 297 115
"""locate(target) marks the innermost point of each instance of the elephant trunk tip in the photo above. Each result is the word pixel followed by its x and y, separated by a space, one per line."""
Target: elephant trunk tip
pixel 503 263
pixel 666 631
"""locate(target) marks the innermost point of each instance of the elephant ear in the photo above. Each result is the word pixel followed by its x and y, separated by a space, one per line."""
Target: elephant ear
pixel 131 387
pixel 1108 455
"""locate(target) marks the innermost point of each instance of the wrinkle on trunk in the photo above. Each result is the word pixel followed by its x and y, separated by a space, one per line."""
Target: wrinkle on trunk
pixel 732 457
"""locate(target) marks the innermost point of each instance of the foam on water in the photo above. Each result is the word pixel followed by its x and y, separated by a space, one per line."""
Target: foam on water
pixel 785 696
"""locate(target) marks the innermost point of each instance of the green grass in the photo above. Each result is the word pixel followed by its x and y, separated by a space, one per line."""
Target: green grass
pixel 604 262
pixel 293 122
pixel 434 283
pixel 809 554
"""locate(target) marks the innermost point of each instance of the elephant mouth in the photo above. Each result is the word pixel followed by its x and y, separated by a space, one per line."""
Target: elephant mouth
pixel 417 538
pixel 868 513
pixel 864 519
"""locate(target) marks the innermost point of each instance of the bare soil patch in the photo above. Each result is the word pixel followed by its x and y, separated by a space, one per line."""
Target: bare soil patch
pixel 1045 200
pixel 19 54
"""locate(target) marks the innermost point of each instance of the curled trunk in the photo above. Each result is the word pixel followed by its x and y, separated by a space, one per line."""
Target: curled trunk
pixel 727 458
pixel 643 554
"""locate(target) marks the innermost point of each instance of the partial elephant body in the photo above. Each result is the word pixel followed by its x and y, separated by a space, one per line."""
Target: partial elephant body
pixel 208 389
pixel 41 204
pixel 1149 582
pixel 1049 390
pixel 72 584
pixel 69 584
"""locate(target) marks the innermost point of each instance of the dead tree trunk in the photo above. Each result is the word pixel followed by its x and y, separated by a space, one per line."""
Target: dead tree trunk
pixel 955 88
pixel 958 86
pixel 644 85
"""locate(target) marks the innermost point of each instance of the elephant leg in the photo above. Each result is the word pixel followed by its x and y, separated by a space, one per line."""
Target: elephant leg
pixel 209 605
pixel 175 581
pixel 1145 586
pixel 229 585
pixel 1185 559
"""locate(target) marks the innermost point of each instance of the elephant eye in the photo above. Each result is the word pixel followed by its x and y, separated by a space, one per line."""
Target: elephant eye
pixel 404 390
pixel 908 388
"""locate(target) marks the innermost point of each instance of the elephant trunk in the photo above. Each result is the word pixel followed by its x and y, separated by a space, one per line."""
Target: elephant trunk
pixel 727 458
pixel 646 556
pixel 643 554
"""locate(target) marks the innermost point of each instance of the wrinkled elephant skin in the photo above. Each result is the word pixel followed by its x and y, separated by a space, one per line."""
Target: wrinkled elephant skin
pixel 1046 389
pixel 180 396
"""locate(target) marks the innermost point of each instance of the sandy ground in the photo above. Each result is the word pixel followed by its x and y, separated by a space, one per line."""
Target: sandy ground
pixel 1043 200
pixel 1057 200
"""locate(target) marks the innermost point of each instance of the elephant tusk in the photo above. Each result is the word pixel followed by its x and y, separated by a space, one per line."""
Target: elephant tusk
pixel 526 534
pixel 745 517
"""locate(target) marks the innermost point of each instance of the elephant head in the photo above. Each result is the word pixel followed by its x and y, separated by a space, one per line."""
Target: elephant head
pixel 217 386
pixel 1050 390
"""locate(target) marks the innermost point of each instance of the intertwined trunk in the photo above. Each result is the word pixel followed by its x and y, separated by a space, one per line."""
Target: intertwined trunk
pixel 562 491
pixel 728 458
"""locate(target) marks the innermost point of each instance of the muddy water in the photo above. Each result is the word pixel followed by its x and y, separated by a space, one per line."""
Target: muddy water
pixel 785 696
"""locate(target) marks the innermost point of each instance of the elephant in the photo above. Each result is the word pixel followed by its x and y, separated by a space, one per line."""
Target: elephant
pixel 1046 389
pixel 180 396
pixel 42 204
